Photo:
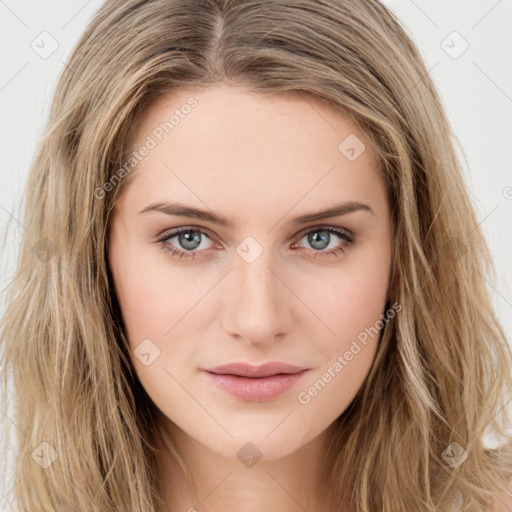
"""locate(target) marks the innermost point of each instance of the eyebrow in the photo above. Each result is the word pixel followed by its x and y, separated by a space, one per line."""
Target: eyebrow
pixel 182 210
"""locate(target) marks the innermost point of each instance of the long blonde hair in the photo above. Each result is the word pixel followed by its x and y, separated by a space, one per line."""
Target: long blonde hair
pixel 443 368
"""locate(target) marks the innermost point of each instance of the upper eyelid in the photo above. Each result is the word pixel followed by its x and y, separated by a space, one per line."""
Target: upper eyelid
pixel 171 233
pixel 324 226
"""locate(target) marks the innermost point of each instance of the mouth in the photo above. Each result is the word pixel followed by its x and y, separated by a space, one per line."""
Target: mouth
pixel 255 383
pixel 241 369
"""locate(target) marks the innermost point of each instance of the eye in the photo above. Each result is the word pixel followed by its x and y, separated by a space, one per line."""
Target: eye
pixel 321 238
pixel 187 240
pixel 190 241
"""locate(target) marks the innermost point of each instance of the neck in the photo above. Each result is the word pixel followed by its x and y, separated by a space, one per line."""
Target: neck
pixel 247 483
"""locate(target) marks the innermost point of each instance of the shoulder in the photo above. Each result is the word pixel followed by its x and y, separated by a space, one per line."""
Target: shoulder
pixel 505 503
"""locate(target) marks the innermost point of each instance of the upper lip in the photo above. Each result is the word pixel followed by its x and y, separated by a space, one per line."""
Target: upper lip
pixel 249 370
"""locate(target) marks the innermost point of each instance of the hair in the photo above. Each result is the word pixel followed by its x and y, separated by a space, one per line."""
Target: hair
pixel 443 365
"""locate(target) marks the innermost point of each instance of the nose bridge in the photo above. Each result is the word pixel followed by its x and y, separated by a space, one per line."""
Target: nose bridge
pixel 257 302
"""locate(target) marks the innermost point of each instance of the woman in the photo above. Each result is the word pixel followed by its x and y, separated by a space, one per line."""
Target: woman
pixel 257 278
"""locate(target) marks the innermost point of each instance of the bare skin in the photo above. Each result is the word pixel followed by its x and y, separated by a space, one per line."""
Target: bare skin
pixel 292 292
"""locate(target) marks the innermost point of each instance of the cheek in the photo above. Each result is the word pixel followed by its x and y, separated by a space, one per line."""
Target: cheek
pixel 351 305
pixel 151 303
pixel 145 295
pixel 349 301
pixel 161 303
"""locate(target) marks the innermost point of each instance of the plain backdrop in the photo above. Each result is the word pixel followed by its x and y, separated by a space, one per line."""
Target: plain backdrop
pixel 467 47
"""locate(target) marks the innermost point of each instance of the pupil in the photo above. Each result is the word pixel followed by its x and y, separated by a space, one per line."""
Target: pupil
pixel 188 241
pixel 319 242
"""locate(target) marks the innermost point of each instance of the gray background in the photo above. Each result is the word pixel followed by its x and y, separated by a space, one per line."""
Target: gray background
pixel 475 86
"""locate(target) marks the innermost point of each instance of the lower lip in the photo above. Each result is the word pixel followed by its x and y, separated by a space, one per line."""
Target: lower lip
pixel 256 389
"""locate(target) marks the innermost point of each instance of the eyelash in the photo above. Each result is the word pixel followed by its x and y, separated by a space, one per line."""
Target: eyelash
pixel 345 235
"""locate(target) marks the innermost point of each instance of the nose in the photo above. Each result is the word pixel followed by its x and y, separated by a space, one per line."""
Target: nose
pixel 258 304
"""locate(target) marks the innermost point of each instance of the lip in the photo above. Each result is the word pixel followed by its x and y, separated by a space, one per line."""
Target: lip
pixel 248 370
pixel 256 383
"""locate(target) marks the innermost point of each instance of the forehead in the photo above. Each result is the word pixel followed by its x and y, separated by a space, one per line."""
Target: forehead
pixel 240 148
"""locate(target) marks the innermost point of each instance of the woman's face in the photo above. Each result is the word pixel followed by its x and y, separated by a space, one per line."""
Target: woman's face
pixel 259 273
